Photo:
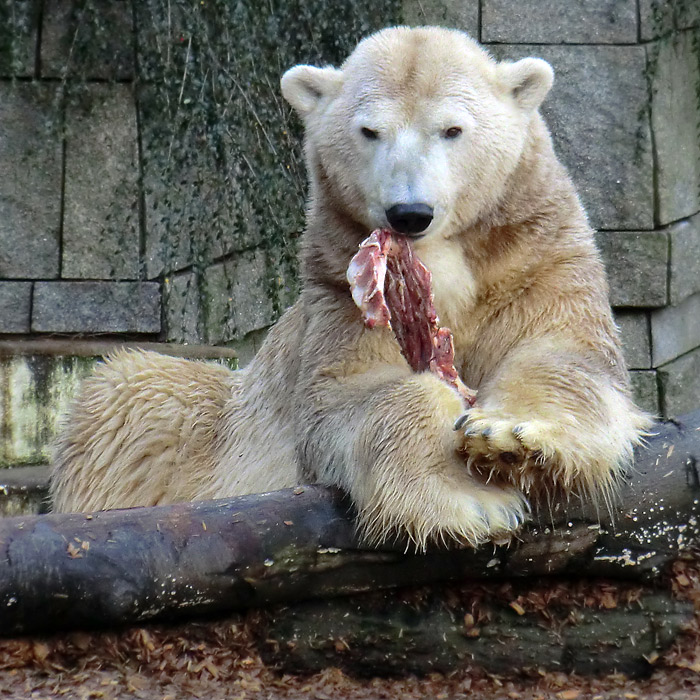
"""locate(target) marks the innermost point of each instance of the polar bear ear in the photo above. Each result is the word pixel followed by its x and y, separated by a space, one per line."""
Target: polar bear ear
pixel 304 86
pixel 529 81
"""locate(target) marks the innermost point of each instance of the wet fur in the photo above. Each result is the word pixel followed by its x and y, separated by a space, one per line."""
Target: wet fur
pixel 516 277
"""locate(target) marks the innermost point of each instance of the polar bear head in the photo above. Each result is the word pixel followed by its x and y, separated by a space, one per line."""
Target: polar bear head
pixel 419 130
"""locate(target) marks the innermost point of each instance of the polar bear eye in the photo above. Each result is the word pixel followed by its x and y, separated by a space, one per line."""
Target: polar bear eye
pixel 369 133
pixel 452 133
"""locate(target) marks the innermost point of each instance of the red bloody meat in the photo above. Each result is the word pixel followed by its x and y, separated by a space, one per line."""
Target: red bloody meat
pixel 392 287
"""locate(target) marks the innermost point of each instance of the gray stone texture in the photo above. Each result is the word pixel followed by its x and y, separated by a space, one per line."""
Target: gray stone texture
pixel 458 14
pixel 659 17
pixel 559 22
pixel 195 209
pixel 634 332
pixel 30 181
pixel 182 299
pixel 101 202
pixel 656 18
pixel 19 28
pixel 675 113
pixel 96 307
pixel 232 301
pixel 596 112
pixel 637 266
pixel 645 390
pixel 687 14
pixel 87 39
pixel 680 384
pixel 15 306
pixel 685 259
pixel 248 346
pixel 675 330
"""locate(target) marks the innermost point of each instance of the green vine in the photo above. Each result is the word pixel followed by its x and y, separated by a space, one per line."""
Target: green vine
pixel 221 181
pixel 223 169
pixel 18 20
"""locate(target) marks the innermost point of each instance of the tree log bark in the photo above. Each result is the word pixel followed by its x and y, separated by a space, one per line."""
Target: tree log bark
pixel 128 566
pixel 440 630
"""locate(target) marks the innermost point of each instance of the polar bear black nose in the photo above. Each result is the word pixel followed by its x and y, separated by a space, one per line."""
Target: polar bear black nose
pixel 410 218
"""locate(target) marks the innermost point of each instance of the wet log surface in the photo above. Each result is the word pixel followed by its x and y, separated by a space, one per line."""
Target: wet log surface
pixel 119 567
pixel 440 630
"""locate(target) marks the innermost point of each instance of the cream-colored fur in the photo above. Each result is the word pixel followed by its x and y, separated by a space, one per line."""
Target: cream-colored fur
pixel 516 277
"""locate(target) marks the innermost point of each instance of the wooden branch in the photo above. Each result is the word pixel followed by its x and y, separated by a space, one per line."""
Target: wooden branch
pixel 116 567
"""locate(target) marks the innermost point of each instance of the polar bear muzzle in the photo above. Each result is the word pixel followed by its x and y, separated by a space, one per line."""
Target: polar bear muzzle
pixel 410 219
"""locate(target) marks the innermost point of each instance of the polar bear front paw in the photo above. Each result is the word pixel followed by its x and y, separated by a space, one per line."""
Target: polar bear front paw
pixel 527 453
pixel 444 508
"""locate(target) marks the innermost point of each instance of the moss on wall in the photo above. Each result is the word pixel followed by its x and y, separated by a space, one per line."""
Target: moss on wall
pixel 222 162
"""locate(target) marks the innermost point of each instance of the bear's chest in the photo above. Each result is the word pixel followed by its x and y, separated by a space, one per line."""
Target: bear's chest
pixel 454 287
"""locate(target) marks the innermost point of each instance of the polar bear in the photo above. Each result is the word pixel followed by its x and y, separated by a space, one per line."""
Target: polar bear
pixel 422 132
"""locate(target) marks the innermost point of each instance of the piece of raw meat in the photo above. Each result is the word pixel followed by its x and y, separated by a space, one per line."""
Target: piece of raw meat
pixel 392 287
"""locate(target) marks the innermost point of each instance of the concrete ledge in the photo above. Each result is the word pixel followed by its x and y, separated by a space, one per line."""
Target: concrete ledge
pixel 97 348
pixel 24 490
pixel 38 379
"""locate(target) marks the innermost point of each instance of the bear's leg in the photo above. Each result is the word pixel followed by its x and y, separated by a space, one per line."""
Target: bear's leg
pixel 386 436
pixel 142 431
pixel 551 418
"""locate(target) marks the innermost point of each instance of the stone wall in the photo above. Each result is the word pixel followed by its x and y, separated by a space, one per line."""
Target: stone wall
pixel 151 185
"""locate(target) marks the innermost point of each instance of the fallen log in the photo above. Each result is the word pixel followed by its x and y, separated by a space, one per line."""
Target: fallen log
pixel 624 630
pixel 128 566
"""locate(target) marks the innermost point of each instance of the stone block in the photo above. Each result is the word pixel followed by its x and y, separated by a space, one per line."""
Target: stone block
pixel 457 14
pixel 634 332
pixel 87 40
pixel 35 391
pixel 248 346
pixel 96 307
pixel 195 208
pixel 231 301
pixel 675 115
pixel 30 181
pixel 19 23
pixel 556 22
pixel 659 17
pixel 687 14
pixel 656 18
pixel 637 266
pixel 101 201
pixel 645 390
pixel 675 330
pixel 685 259
pixel 15 306
pixel 596 112
pixel 680 384
pixel 182 300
